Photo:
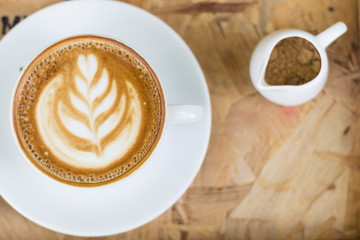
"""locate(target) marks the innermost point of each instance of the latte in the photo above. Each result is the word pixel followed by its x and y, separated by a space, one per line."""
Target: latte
pixel 88 110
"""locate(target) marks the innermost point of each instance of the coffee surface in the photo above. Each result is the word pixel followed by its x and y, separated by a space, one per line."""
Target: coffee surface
pixel 293 61
pixel 88 110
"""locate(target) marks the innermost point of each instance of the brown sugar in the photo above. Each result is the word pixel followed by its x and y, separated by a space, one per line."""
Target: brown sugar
pixel 293 61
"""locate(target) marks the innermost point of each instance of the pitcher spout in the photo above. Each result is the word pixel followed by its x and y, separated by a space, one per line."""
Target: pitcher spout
pixel 262 85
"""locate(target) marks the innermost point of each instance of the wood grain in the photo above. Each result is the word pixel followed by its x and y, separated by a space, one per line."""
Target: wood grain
pixel 271 172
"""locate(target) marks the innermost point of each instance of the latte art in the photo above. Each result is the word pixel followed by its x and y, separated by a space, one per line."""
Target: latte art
pixel 88 110
pixel 95 109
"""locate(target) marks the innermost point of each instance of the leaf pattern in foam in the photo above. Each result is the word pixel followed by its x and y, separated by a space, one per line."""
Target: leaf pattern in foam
pixel 109 121
pixel 91 88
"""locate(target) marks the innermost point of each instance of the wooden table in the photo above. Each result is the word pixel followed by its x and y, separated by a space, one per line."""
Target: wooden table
pixel 271 172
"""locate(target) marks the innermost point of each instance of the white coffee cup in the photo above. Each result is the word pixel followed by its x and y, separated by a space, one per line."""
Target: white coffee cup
pixel 174 114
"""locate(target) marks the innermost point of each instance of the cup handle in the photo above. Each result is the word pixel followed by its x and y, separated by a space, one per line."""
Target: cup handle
pixel 184 113
pixel 329 35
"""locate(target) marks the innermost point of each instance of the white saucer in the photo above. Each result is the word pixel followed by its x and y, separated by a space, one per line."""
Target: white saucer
pixel 139 198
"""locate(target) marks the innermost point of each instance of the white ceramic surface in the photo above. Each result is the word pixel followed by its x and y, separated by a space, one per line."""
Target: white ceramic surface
pixel 285 94
pixel 149 191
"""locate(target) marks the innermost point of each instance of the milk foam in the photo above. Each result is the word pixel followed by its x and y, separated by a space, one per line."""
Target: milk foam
pixel 53 117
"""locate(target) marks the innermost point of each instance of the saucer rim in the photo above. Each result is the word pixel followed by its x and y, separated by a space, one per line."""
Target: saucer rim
pixel 195 168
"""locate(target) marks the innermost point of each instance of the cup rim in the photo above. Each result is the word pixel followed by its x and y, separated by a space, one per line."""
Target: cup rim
pixel 126 176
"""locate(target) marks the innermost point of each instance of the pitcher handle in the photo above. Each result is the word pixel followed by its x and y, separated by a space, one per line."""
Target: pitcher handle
pixel 329 35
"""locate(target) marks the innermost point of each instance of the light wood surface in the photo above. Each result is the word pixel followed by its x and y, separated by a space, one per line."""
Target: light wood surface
pixel 271 172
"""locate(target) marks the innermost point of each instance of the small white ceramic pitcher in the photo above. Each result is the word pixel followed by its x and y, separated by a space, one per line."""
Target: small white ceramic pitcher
pixel 290 95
